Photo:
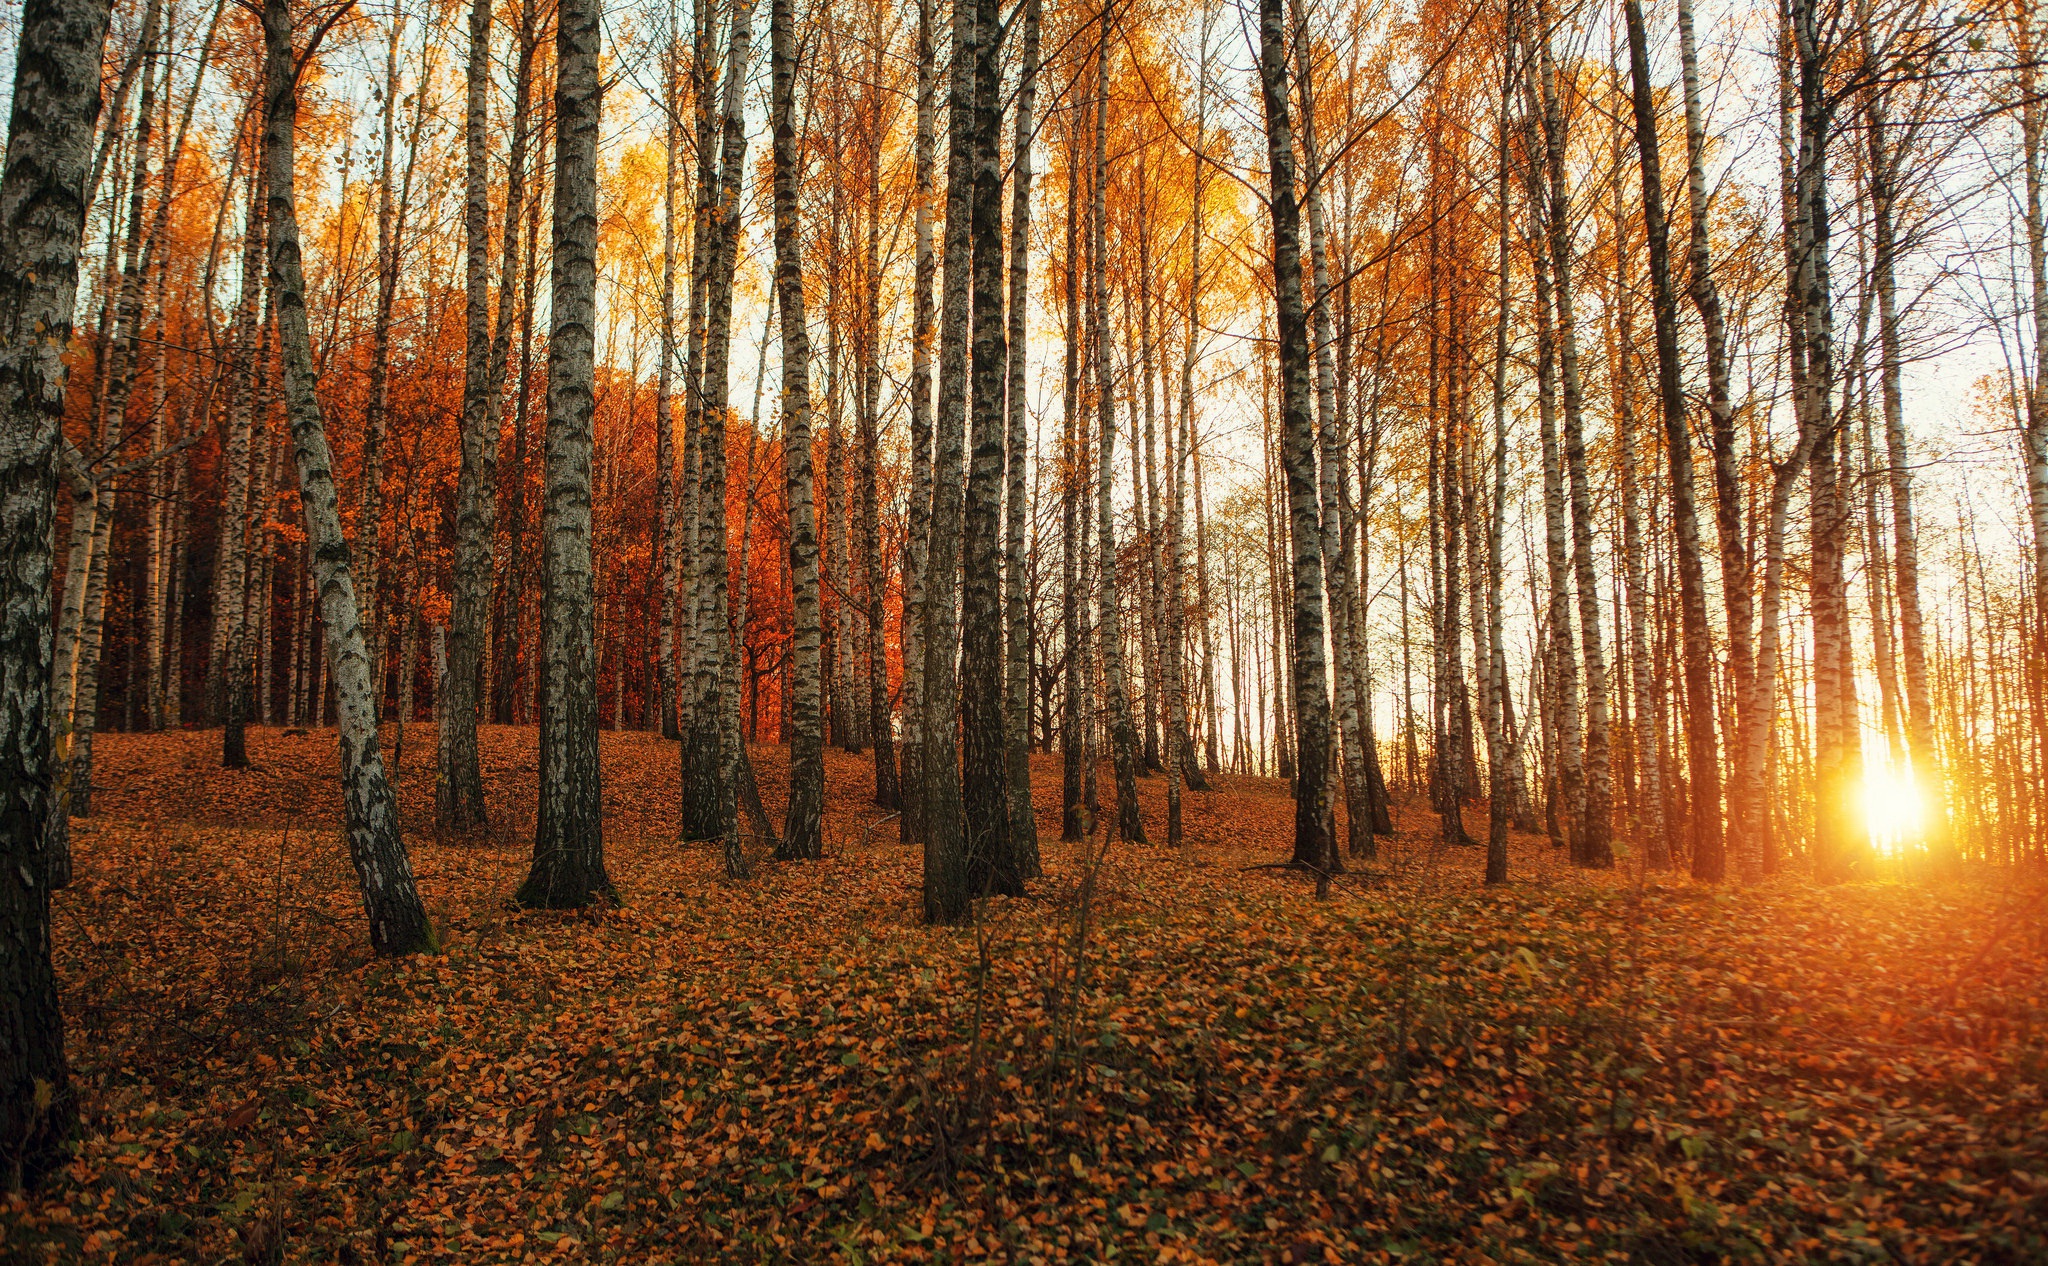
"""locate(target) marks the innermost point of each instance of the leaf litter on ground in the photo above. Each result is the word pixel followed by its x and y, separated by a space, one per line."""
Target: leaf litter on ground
pixel 1155 1056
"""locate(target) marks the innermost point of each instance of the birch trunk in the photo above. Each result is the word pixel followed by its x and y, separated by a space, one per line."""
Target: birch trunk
pixel 375 420
pixel 75 730
pixel 874 573
pixel 1073 525
pixel 230 651
pixel 2036 436
pixel 719 771
pixel 1885 163
pixel 947 879
pixel 1594 842
pixel 1702 755
pixel 1122 734
pixel 1737 567
pixel 699 756
pixel 668 544
pixel 459 786
pixel 1560 667
pixel 1498 755
pixel 1191 444
pixel 985 797
pixel 44 203
pixel 1023 826
pixel 838 663
pixel 918 503
pixel 1314 846
pixel 166 487
pixel 1646 742
pixel 1330 432
pixel 398 922
pixel 568 853
pixel 1834 720
pixel 802 836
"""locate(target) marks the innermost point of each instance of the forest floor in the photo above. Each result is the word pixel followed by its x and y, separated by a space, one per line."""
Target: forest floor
pixel 1164 1057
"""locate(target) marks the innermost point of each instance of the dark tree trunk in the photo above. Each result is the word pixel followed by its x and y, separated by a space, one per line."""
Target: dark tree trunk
pixel 1314 841
pixel 802 835
pixel 985 798
pixel 1702 756
pixel 568 847
pixel 1017 595
pixel 1123 736
pixel 917 506
pixel 948 887
pixel 44 201
pixel 459 788
pixel 398 922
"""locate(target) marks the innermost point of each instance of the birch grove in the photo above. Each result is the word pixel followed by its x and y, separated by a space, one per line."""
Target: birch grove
pixel 1145 403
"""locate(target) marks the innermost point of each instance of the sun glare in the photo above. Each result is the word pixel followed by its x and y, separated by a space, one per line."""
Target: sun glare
pixel 1893 808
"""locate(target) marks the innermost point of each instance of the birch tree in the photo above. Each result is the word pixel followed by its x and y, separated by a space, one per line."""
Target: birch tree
pixel 459 787
pixel 802 836
pixel 1123 736
pixel 44 202
pixel 398 922
pixel 1314 846
pixel 568 849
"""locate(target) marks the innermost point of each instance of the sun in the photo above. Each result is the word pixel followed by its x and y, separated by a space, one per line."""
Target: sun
pixel 1894 811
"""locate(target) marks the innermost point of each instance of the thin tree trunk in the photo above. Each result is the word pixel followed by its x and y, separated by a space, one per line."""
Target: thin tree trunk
pixel 668 543
pixel 1702 756
pixel 874 573
pixel 117 359
pixel 1023 826
pixel 1498 753
pixel 947 878
pixel 714 757
pixel 1593 845
pixel 1191 445
pixel 1073 523
pixel 1560 666
pixel 802 836
pixel 985 799
pixel 1330 432
pixel 369 520
pixel 1648 800
pixel 2036 422
pixel 1885 160
pixel 1314 846
pixel 918 503
pixel 1737 576
pixel 568 849
pixel 459 787
pixel 1123 735
pixel 44 203
pixel 398 922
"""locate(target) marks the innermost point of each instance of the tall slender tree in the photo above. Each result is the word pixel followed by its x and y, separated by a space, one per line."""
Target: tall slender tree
pixel 1123 735
pixel 985 799
pixel 459 787
pixel 568 848
pixel 917 515
pixel 1702 754
pixel 803 833
pixel 398 922
pixel 948 882
pixel 1314 845
pixel 1023 828
pixel 44 202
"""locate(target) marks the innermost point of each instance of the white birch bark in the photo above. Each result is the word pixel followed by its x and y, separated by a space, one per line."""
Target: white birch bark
pixel 568 853
pixel 398 922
